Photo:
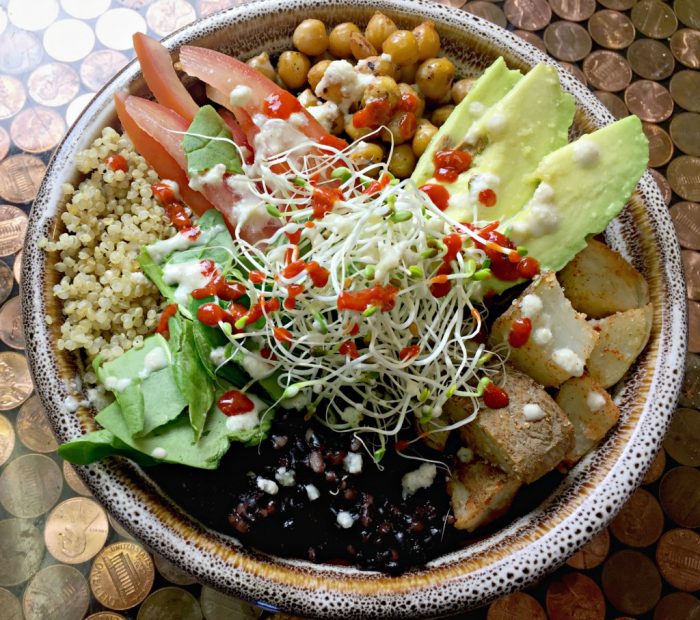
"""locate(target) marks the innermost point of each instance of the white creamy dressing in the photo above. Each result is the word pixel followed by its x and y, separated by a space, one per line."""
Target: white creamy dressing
pixel 496 124
pixel 159 453
pixel 298 119
pixel 585 153
pixel 532 412
pixel 174 188
pixel 568 361
pixel 542 335
pixel 351 82
pixel 156 359
pixel 481 182
pixel 307 99
pixel 256 366
pixel 218 356
pixel 595 401
pixel 213 176
pixel 327 114
pixel 540 215
pixel 240 95
pixel 187 276
pixel 390 258
pixel 160 249
pixel 477 109
pixel 420 478
pixel 115 384
pixel 246 421
pixel 300 401
pixel 248 209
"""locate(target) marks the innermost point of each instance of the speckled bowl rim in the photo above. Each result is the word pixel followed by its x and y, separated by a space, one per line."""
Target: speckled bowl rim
pixel 513 557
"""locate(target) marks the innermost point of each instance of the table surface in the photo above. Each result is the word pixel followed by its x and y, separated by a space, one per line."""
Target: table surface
pixel 639 56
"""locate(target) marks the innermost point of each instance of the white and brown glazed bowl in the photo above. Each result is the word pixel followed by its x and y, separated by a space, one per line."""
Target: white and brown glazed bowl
pixel 528 546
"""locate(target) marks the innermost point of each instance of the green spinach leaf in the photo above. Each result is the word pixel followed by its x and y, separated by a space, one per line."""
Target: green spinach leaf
pixel 203 153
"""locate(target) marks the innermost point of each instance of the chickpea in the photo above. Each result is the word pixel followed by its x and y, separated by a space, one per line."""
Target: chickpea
pixel 366 153
pixel 339 40
pixel 379 28
pixel 428 40
pixel 361 47
pixel 434 77
pixel 293 68
pixel 316 72
pixel 407 73
pixel 460 89
pixel 262 63
pixel 405 89
pixel 400 128
pixel 439 115
pixel 402 47
pixel 402 161
pixel 355 133
pixel 376 65
pixel 382 87
pixel 310 37
pixel 424 134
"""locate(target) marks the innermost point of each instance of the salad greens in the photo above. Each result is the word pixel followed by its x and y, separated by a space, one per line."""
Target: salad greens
pixel 204 146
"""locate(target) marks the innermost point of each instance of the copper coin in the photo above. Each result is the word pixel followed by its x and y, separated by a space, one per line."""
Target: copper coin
pixel 640 522
pixel 678 605
pixel 614 103
pixel 30 486
pixel 686 219
pixel 170 603
pixel 683 438
pixel 17 267
pixel 575 596
pixel 690 388
pixel 4 143
pixel 56 592
pixel 679 494
pixel 592 553
pixel 13 227
pixel 631 582
pixel 7 439
pixel 693 326
pixel 218 606
pixel 685 89
pixel 74 481
pixel 651 59
pixel 105 615
pixel 37 129
pixel 166 16
pixel 607 70
pixel 656 469
pixel 654 19
pixel 691 266
pixel 678 557
pixel 76 530
pixel 34 428
pixel 15 380
pixel 54 84
pixel 567 41
pixel 663 185
pixel 487 11
pixel 688 12
pixel 611 29
pixel 10 605
pixel 19 52
pixel 122 575
pixel 99 67
pixel 660 145
pixel 685 132
pixel 575 71
pixel 684 176
pixel 516 605
pixel 20 177
pixel 528 14
pixel 531 38
pixel 618 5
pixel 649 101
pixel 573 10
pixel 685 45
pixel 171 572
pixel 11 330
pixel 6 281
pixel 21 550
pixel 12 96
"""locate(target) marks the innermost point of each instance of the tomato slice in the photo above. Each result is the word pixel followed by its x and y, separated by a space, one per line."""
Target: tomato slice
pixel 239 136
pixel 161 78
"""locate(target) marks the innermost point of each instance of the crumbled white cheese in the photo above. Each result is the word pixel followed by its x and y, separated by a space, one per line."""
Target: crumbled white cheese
pixel 257 367
pixel 533 412
pixel 159 453
pixel 188 276
pixel 71 404
pixel 539 216
pixel 476 108
pixel 116 385
pixel 351 415
pixel 481 182
pixel 352 84
pixel 240 95
pixel 98 397
pixel 300 401
pixel 465 455
pixel 213 176
pixel 267 486
pixel 568 361
pixel 285 477
pixel 156 359
pixel 595 401
pixel 312 492
pixel 353 463
pixel 327 114
pixel 242 422
pixel 420 478
pixel 307 98
pixel 345 519
pixel 530 306
pixel 542 335
pixel 218 356
pixel 585 153
pixel 298 119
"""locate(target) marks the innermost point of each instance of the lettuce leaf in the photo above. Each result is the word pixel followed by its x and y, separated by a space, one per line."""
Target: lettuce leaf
pixel 203 153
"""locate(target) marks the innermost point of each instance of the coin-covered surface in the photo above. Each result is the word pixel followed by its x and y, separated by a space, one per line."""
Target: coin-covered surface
pixel 34 428
pixel 170 603
pixel 13 226
pixel 76 530
pixel 631 582
pixel 122 575
pixel 593 553
pixel 11 330
pixel 30 485
pixel 6 281
pixel 15 380
pixel 678 557
pixel 21 550
pixel 218 606
pixel 7 439
pixel 575 595
pixel 57 592
pixel 10 605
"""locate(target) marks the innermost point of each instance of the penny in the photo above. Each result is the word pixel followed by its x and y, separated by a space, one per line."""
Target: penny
pixel 607 70
pixel 11 330
pixel 640 522
pixel 618 5
pixel 685 89
pixel 690 388
pixel 34 428
pixel 531 38
pixel 573 10
pixel 615 105
pixel 575 596
pixel 15 380
pixel 68 40
pixel 660 145
pixel 656 469
pixel 516 605
pixel 21 550
pixel 694 326
pixel 678 557
pixel 684 176
pixel 575 71
pixel 54 84
pixel 35 15
pixel 651 59
pixel 218 606
pixel 678 605
pixel 17 267
pixel 13 227
pixel 7 439
pixel 37 129
pixel 663 185
pixel 20 177
pixel 654 19
pixel 592 553
pixel 115 27
pixel 105 615
pixel 688 12
pixel 611 29
pixel 20 52
pixel 4 143
pixel 686 219
pixel 99 67
pixel 73 480
pixel 30 486
pixel 649 100
pixel 679 494
pixel 12 96
pixel 85 10
pixel 528 14
pixel 685 46
pixel 487 11
pixel 631 582
pixel 567 41
pixel 171 572
pixel 121 575
pixel 170 603
pixel 691 266
pixel 10 605
pixel 56 592
pixel 6 281
pixel 685 132
pixel 166 16
pixel 76 530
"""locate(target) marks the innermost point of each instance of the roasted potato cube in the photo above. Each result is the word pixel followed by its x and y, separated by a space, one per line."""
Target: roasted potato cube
pixel 480 493
pixel 560 341
pixel 622 337
pixel 431 433
pixel 600 282
pixel 591 412
pixel 527 438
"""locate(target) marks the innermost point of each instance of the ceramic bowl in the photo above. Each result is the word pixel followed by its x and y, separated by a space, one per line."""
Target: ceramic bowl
pixel 512 557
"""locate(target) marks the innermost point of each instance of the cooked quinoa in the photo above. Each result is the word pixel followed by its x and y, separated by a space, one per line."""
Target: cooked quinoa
pixel 108 303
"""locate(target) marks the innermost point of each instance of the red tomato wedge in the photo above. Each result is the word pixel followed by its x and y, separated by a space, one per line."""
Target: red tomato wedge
pixel 157 156
pixel 161 78
pixel 239 136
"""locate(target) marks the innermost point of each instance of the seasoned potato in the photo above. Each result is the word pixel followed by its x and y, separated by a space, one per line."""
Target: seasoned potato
pixel 434 438
pixel 590 410
pixel 560 341
pixel 600 282
pixel 511 437
pixel 622 337
pixel 480 493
